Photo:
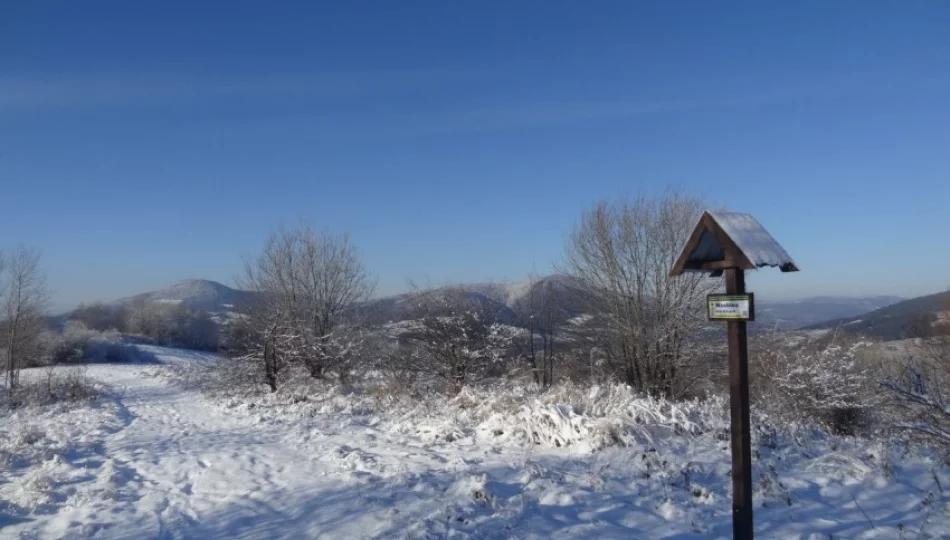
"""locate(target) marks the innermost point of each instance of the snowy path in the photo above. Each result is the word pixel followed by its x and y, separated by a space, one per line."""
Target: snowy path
pixel 187 467
pixel 180 468
pixel 160 461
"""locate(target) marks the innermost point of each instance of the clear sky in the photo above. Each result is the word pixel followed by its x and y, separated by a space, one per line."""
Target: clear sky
pixel 145 143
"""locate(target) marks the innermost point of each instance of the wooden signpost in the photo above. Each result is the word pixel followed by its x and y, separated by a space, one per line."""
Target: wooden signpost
pixel 731 243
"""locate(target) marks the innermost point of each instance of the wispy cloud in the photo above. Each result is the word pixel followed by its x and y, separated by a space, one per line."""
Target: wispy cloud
pixel 35 92
pixel 29 93
pixel 526 115
pixel 506 116
pixel 540 113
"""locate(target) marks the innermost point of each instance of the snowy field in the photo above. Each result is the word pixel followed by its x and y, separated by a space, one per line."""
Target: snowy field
pixel 155 458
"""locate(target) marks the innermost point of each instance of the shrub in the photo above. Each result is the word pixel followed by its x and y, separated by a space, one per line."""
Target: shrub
pixel 829 384
pixel 58 385
pixel 78 345
pixel 919 386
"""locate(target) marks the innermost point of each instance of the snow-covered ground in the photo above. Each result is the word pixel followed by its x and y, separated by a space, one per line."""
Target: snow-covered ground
pixel 155 459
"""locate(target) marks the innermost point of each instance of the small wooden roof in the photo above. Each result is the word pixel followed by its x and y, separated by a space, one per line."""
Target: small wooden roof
pixel 731 240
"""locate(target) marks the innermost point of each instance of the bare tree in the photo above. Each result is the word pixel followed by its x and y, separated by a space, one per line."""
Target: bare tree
pixel 101 317
pixel 921 384
pixel 267 326
pixel 922 392
pixel 623 251
pixel 311 284
pixel 194 329
pixel 541 316
pixel 458 336
pixel 262 336
pixel 171 324
pixel 151 319
pixel 333 282
pixel 23 299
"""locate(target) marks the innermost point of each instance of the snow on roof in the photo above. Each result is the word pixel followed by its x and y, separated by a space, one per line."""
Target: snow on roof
pixel 755 242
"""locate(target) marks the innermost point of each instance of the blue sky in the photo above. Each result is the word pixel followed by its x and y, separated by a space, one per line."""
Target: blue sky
pixel 458 141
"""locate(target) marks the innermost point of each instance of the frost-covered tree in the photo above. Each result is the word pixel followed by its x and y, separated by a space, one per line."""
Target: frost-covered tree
pixel 310 286
pixel 172 324
pixel 23 299
pixel 540 316
pixel 149 319
pixel 333 283
pixel 195 329
pixel 622 251
pixel 101 317
pixel 459 336
pixel 263 340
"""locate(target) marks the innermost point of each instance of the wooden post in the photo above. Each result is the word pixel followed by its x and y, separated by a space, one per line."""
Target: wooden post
pixel 730 243
pixel 741 433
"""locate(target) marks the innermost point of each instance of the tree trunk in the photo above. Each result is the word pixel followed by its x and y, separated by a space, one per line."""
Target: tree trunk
pixel 270 364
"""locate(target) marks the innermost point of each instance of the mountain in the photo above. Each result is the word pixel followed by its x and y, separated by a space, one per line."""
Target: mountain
pixel 220 301
pixel 893 321
pixel 517 300
pixel 529 296
pixel 392 309
pixel 795 314
pixel 512 300
pixel 199 294
pixel 524 298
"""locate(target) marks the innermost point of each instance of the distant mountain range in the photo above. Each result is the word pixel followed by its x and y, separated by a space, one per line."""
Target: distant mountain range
pixel 514 300
pixel 796 314
pixel 199 294
pixel 893 321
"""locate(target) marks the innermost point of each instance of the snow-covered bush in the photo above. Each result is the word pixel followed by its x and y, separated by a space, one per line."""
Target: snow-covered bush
pixel 77 344
pixel 919 388
pixel 459 337
pixel 590 418
pixel 102 317
pixel 173 324
pixel 564 416
pixel 831 384
pixel 51 385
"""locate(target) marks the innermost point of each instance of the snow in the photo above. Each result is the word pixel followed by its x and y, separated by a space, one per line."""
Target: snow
pixel 157 458
pixel 518 290
pixel 754 241
pixel 580 320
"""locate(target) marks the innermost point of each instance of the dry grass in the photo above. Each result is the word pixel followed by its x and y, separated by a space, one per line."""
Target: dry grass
pixel 51 385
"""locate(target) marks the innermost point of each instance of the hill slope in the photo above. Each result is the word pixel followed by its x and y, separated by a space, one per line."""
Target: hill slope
pixel 513 300
pixel 393 309
pixel 527 297
pixel 518 299
pixel 212 297
pixel 200 294
pixel 795 314
pixel 890 322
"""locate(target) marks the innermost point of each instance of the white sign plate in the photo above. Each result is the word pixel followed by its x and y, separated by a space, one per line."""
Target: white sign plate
pixel 726 307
